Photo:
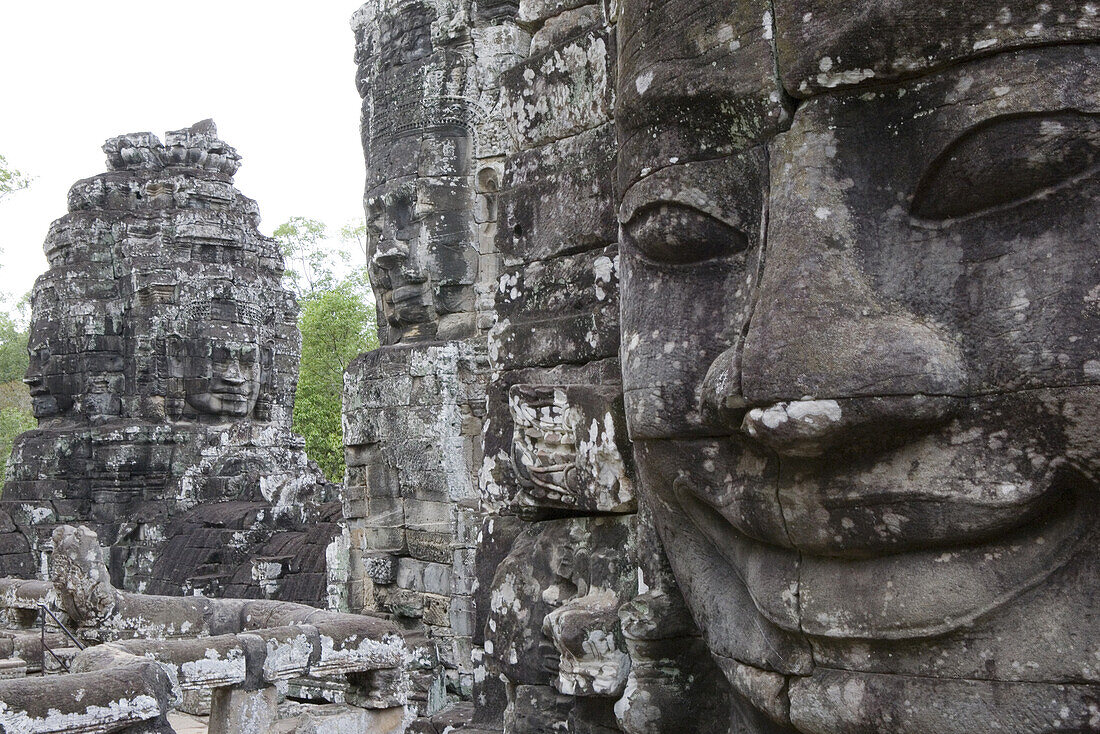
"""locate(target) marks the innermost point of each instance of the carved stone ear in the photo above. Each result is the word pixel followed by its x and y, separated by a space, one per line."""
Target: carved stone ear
pixel 267 358
pixel 266 399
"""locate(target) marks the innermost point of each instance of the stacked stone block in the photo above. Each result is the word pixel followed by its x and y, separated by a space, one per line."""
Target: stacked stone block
pixel 434 144
pixel 555 443
pixel 413 416
pixel 584 625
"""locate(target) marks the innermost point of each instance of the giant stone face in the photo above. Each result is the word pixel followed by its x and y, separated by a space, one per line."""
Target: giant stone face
pixel 222 374
pixel 423 259
pixel 860 326
pixel 417 124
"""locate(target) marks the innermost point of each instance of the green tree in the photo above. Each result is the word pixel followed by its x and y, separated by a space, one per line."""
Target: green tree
pixel 337 325
pixel 13 350
pixel 15 400
pixel 11 180
pixel 13 421
pixel 356 231
pixel 15 404
pixel 311 262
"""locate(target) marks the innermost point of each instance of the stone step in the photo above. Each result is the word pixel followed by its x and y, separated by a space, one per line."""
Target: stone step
pixel 13 668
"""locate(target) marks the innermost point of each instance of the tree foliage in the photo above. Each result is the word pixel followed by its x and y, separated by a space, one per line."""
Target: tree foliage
pixel 13 350
pixel 15 408
pixel 312 262
pixel 337 325
pixel 356 232
pixel 11 180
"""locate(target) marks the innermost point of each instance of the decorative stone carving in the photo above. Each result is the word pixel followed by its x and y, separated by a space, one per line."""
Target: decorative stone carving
pixel 858 352
pixel 567 450
pixel 553 613
pixel 163 360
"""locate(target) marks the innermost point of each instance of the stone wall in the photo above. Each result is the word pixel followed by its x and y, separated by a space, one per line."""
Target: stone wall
pixel 412 427
pixel 490 492
pixel 558 475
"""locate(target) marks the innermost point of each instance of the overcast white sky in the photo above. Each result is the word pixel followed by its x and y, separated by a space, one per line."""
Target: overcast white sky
pixel 277 77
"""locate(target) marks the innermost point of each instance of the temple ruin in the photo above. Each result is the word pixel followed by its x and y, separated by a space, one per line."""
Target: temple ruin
pixel 164 352
pixel 738 374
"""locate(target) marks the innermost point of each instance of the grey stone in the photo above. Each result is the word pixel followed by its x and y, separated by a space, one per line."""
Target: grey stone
pixel 857 357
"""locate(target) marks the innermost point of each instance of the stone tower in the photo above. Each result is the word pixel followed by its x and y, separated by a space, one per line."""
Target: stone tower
pixel 164 355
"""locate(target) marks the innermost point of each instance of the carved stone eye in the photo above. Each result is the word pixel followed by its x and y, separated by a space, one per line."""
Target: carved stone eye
pixel 673 233
pixel 1006 161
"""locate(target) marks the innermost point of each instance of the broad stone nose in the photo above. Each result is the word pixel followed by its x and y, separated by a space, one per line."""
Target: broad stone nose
pixel 822 336
pixel 234 374
pixel 821 329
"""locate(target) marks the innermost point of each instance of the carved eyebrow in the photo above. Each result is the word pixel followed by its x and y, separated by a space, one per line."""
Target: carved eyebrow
pixel 1007 160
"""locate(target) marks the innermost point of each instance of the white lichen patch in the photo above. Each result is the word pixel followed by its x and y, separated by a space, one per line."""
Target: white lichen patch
pixel 213 670
pixel 287 658
pixel 351 655
pixel 831 79
pixel 92 718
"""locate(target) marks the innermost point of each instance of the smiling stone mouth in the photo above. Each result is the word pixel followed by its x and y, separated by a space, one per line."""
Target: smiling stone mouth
pixel 904 595
pixel 233 392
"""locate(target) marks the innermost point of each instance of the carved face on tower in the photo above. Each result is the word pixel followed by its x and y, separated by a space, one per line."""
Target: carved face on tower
pixel 222 373
pixel 218 361
pixel 417 117
pixel 423 260
pixel 859 351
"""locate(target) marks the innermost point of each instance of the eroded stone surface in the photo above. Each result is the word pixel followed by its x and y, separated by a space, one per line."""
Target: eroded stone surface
pixel 434 144
pixel 857 352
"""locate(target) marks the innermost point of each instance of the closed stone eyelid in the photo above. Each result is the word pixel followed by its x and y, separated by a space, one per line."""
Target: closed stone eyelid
pixel 732 240
pixel 1056 148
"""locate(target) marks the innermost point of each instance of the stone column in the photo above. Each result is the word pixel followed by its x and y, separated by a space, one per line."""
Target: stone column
pixel 413 410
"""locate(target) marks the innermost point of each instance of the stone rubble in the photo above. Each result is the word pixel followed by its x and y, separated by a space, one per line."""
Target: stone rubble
pixel 146 655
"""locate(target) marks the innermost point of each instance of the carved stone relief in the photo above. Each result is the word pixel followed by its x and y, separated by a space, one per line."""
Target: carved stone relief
pixel 858 402
pixel 561 633
pixel 413 409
